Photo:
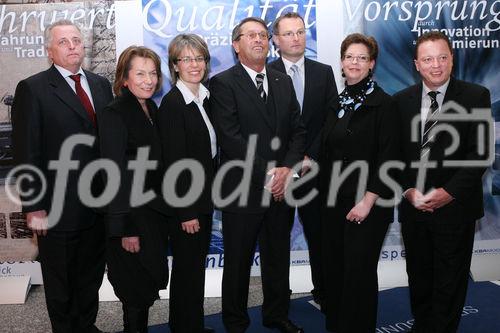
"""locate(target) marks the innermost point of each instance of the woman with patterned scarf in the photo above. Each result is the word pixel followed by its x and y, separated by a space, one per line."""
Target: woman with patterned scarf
pixel 360 135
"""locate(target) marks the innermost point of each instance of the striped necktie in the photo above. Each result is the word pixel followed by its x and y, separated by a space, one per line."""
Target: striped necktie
pixel 430 121
pixel 259 79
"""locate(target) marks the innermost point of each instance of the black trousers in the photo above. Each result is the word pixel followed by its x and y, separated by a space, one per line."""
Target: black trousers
pixel 310 217
pixel 438 256
pixel 187 284
pixel 351 253
pixel 137 277
pixel 73 267
pixel 241 232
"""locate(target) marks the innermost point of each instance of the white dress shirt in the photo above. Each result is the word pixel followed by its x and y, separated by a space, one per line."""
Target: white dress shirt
pixel 253 75
pixel 83 81
pixel 426 102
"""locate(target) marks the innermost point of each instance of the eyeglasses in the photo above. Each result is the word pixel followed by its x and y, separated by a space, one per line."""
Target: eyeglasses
pixel 188 60
pixel 253 35
pixel 443 58
pixel 291 34
pixel 64 42
pixel 361 58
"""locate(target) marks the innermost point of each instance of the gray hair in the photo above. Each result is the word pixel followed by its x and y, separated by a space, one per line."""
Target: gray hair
pixel 48 30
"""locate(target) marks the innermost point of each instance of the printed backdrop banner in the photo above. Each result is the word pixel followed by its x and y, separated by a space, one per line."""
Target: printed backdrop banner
pixel 472 26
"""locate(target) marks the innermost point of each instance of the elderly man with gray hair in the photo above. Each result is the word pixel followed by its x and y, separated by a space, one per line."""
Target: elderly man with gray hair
pixel 50 107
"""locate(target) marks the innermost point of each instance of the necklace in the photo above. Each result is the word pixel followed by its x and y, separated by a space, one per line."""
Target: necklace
pixel 352 103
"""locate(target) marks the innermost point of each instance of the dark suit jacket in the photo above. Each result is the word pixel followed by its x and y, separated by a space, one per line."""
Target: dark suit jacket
pixel 371 135
pixel 463 183
pixel 184 135
pixel 46 111
pixel 320 93
pixel 124 128
pixel 239 112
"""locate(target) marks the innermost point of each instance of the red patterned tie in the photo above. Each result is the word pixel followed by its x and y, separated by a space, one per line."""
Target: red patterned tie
pixel 84 98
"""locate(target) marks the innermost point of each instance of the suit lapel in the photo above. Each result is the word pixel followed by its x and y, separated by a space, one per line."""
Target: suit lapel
pixel 96 91
pixel 452 92
pixel 64 92
pixel 308 83
pixel 138 119
pixel 414 110
pixel 280 65
pixel 248 87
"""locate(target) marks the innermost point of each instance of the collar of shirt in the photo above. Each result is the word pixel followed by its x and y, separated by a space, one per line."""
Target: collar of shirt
pixel 253 74
pixel 426 102
pixel 188 94
pixel 83 81
pixel 65 73
pixel 288 64
pixel 442 91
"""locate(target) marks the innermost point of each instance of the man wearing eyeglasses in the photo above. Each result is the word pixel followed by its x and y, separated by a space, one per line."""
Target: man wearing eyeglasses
pixel 438 218
pixel 252 100
pixel 316 91
pixel 48 108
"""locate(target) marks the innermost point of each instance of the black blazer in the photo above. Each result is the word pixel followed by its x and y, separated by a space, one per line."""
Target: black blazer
pixel 320 93
pixel 46 111
pixel 124 129
pixel 238 113
pixel 371 135
pixel 184 135
pixel 463 183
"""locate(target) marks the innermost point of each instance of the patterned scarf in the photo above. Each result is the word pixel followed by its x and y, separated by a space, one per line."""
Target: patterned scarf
pixel 352 101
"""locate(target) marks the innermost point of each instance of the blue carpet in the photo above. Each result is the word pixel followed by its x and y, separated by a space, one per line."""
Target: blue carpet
pixel 481 313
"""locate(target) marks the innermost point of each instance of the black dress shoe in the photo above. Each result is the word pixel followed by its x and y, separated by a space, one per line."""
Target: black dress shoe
pixel 208 330
pixel 285 326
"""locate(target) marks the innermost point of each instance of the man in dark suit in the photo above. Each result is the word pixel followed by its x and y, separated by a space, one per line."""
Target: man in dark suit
pixel 438 212
pixel 48 108
pixel 251 100
pixel 316 91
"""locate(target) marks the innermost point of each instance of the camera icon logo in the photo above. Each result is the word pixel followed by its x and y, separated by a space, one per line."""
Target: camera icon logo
pixel 481 151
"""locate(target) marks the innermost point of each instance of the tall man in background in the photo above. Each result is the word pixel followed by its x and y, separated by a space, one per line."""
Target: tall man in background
pixel 252 99
pixel 316 91
pixel 438 218
pixel 49 107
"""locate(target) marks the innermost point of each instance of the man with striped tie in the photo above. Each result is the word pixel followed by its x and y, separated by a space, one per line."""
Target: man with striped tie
pixel 440 203
pixel 250 100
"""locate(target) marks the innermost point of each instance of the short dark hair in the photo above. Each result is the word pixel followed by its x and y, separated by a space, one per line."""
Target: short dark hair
pixel 356 38
pixel 285 16
pixel 125 62
pixel 178 44
pixel 236 34
pixel 432 36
